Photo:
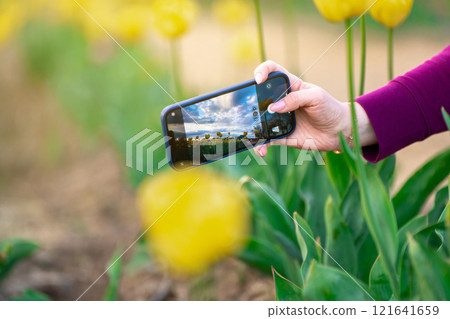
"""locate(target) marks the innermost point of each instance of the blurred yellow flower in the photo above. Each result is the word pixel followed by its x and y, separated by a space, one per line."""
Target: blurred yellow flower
pixel 207 223
pixel 105 13
pixel 126 19
pixel 244 47
pixel 173 18
pixel 232 12
pixel 391 13
pixel 132 22
pixel 340 10
pixel 67 11
pixel 11 19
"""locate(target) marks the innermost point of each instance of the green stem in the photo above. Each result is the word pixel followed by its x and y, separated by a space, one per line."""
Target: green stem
pixel 260 31
pixel 360 166
pixel 175 59
pixel 363 55
pixel 351 88
pixel 391 53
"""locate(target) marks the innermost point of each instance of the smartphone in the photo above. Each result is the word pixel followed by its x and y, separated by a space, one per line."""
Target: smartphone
pixel 216 125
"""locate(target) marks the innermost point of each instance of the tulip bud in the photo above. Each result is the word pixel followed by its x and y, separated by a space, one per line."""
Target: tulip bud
pixel 173 18
pixel 340 10
pixel 132 22
pixel 232 12
pixel 243 47
pixel 391 13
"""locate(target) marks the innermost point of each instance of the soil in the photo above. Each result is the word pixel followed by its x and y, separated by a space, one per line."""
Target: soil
pixel 76 203
pixel 72 197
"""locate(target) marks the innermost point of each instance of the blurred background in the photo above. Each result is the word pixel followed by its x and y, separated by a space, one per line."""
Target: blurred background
pixel 70 97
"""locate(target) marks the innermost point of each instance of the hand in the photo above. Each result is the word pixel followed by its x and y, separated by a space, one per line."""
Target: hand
pixel 319 116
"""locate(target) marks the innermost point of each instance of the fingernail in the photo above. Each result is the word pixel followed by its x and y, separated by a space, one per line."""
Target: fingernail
pixel 278 106
pixel 258 78
pixel 264 151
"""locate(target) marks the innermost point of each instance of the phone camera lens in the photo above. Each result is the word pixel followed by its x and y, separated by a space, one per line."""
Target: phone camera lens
pixel 269 86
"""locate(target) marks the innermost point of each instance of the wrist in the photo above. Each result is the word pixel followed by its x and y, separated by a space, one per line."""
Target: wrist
pixel 366 132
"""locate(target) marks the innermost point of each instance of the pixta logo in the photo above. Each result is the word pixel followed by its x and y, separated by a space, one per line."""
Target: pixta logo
pixel 143 145
pixel 141 151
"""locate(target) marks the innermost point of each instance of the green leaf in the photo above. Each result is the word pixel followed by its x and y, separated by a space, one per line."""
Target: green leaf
pixel 379 281
pixel 31 295
pixel 386 170
pixel 440 202
pixel 447 227
pixel 12 251
pixel 351 209
pixel 288 186
pixel 432 271
pixel 291 248
pixel 412 227
pixel 412 196
pixel 325 283
pixel 306 242
pixel 338 171
pixel 285 290
pixel 264 230
pixel 367 254
pixel 404 266
pixel 408 284
pixel 114 272
pixel 339 242
pixel 263 254
pixel 446 215
pixel 315 188
pixel 430 235
pixel 380 218
pixel 442 234
pixel 268 205
pixel 446 118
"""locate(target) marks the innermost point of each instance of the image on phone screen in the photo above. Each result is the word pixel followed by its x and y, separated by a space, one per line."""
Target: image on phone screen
pixel 226 124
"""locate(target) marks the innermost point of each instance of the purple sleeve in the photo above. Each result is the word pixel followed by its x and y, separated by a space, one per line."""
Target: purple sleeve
pixel 408 109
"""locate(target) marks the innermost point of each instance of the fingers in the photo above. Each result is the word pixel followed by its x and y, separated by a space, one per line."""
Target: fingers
pixel 262 150
pixel 264 69
pixel 297 99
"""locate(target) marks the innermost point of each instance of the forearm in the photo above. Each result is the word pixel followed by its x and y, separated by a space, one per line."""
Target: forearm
pixel 408 109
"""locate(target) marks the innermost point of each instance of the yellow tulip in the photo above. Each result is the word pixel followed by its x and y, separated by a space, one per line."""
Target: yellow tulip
pixel 391 13
pixel 67 11
pixel 244 47
pixel 340 10
pixel 11 19
pixel 132 22
pixel 173 18
pixel 208 222
pixel 105 12
pixel 232 12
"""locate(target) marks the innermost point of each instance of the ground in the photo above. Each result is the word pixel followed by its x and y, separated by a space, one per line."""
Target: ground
pixel 73 198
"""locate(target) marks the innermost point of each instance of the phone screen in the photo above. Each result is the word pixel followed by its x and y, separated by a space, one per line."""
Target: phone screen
pixel 225 124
